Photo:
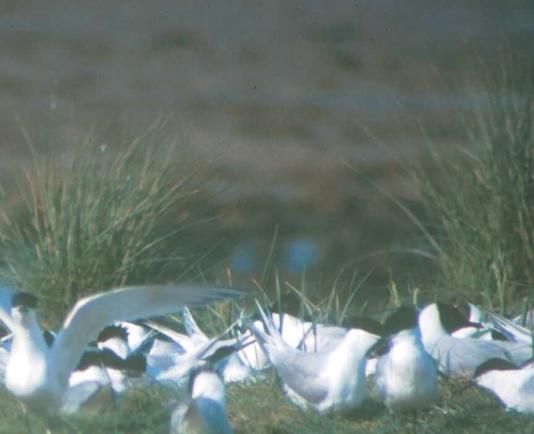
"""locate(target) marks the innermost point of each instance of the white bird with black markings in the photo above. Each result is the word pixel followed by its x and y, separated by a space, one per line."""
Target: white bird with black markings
pixel 111 362
pixel 456 358
pixel 101 372
pixel 406 376
pixel 512 385
pixel 205 412
pixel 38 375
pixel 197 351
pixel 232 368
pixel 325 381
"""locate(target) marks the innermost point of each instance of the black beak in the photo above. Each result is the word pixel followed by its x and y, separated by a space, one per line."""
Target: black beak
pixel 476 325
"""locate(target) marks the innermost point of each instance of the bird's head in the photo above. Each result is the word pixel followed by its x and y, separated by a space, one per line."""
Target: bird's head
pixel 23 306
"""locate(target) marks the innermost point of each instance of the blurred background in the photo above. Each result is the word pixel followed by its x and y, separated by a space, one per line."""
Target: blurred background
pixel 304 112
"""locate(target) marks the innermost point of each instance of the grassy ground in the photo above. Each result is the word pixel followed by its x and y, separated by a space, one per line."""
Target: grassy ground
pixel 261 408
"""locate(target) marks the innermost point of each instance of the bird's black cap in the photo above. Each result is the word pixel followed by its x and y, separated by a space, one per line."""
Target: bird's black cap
pixel 25 299
pixel 105 358
pixel 402 318
pixel 89 358
pixel 494 364
pixel 363 323
pixel 452 319
pixel 113 331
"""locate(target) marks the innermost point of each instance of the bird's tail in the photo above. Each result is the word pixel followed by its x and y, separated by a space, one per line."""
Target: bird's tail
pixel 270 337
pixel 512 331
pixel 191 326
pixel 178 338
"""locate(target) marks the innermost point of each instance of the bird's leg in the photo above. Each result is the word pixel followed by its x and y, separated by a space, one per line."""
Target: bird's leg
pixel 114 398
pixel 110 385
pixel 414 421
pixel 48 426
pixel 27 420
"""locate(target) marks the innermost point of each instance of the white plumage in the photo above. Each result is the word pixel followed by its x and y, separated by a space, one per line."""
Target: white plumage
pixel 39 375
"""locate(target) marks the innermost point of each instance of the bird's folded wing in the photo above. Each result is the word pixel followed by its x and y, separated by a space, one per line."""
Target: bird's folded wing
pixel 93 313
pixel 460 357
pixel 302 373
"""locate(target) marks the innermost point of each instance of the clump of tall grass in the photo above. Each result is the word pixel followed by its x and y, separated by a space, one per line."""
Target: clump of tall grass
pixel 480 200
pixel 92 217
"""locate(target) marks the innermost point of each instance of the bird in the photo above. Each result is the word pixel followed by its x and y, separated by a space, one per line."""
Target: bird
pixel 111 362
pixel 306 335
pixel 114 338
pixel 39 376
pixel 232 368
pixel 205 412
pixel 514 386
pixel 454 320
pixel 138 333
pixel 456 358
pixel 324 381
pixel 470 322
pixel 100 372
pixel 406 377
pixel 196 353
pixel 509 338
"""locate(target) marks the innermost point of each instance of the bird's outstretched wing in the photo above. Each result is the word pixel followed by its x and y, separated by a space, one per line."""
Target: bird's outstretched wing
pixel 92 314
pixel 6 294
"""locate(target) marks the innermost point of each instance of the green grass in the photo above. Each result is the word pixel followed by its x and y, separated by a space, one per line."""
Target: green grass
pixel 98 217
pixel 479 198
pixel 261 408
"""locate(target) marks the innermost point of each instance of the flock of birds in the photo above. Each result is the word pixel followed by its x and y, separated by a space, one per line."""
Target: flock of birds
pixel 109 343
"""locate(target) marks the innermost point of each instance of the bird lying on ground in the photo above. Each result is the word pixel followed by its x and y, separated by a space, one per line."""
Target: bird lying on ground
pixel 325 381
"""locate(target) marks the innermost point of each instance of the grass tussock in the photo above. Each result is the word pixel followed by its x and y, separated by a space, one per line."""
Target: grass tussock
pixel 98 217
pixel 262 408
pixel 480 200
